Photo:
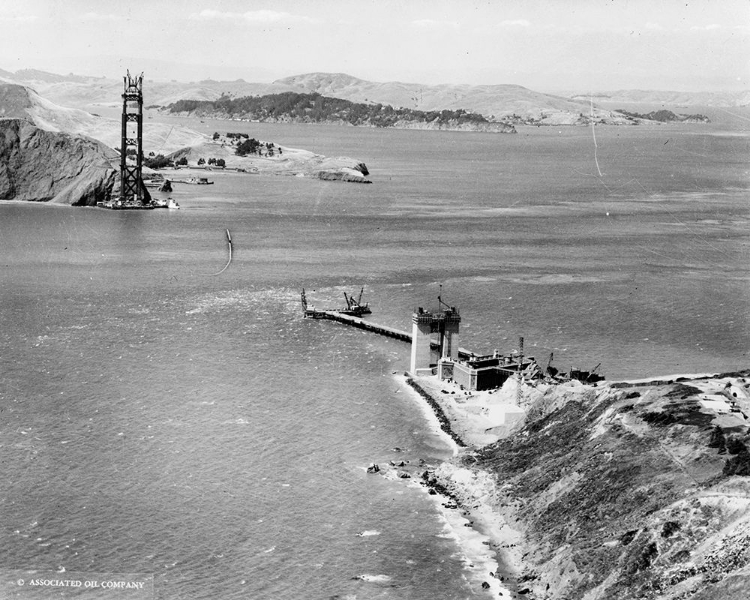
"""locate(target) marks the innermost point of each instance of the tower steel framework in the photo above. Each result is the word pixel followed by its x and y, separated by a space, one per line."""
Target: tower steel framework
pixel 131 186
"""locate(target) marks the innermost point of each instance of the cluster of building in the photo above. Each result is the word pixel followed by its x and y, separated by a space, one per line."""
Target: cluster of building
pixel 471 371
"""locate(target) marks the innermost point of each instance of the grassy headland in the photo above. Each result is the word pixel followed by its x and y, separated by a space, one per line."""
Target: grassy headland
pixel 619 490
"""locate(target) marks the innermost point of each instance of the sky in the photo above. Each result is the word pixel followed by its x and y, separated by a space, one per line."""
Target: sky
pixel 545 45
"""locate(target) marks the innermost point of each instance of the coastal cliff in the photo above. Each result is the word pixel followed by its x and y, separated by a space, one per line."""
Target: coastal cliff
pixel 43 166
pixel 619 491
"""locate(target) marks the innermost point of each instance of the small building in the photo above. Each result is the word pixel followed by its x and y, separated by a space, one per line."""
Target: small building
pixel 471 371
pixel 483 372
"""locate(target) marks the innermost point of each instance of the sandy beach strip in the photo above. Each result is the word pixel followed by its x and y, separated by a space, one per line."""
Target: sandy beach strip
pixel 466 498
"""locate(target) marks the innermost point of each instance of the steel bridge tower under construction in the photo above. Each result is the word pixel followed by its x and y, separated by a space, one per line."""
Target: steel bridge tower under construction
pixel 131 145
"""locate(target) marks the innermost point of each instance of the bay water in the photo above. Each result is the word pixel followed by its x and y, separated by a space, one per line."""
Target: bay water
pixel 157 417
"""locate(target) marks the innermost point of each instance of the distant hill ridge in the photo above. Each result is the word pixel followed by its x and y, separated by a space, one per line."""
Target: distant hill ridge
pixel 37 75
pixel 495 102
pixel 676 99
pixel 499 102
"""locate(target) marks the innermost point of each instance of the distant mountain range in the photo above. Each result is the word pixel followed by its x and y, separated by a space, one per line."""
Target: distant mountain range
pixel 674 99
pixel 506 103
pixel 512 103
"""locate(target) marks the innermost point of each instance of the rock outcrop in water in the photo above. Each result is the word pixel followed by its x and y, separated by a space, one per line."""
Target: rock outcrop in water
pixel 43 166
pixel 629 491
pixel 355 174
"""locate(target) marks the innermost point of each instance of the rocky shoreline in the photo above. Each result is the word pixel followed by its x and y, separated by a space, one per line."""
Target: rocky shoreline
pixel 445 423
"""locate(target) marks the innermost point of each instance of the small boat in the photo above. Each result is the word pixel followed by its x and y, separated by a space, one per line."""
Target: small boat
pixel 168 203
pixel 194 181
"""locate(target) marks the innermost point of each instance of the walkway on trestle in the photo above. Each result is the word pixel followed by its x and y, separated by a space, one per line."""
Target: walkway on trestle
pixel 360 323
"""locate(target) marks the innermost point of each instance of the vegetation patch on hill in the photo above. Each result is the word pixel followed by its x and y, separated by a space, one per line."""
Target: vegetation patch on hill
pixel 315 108
pixel 666 116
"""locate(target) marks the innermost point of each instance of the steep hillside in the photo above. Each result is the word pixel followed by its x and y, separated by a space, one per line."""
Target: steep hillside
pixel 18 101
pixel 14 102
pixel 624 492
pixel 43 166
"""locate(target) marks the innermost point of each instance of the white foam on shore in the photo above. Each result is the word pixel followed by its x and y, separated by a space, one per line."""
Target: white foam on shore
pixel 478 557
pixel 475 551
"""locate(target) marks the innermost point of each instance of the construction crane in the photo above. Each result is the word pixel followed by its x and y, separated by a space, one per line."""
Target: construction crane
pixel 355 307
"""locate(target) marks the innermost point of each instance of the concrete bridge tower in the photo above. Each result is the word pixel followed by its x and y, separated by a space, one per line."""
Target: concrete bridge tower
pixel 420 341
pixel 446 324
pixel 449 334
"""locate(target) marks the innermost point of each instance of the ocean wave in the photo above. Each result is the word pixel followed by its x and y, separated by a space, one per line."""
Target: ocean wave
pixel 285 298
pixel 368 533
pixel 373 578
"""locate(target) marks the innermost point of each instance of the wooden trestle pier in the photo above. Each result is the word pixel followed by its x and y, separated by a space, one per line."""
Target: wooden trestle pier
pixel 359 323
